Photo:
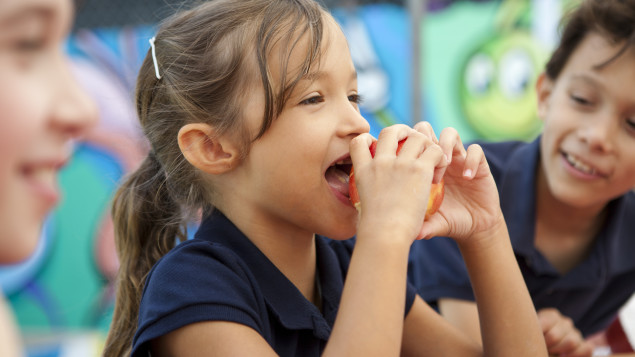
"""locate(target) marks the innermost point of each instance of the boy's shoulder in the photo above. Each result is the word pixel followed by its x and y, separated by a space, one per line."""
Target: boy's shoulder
pixel 501 155
pixel 501 149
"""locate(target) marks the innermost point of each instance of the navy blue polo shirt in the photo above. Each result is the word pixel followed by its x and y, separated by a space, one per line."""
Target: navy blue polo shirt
pixel 590 294
pixel 221 275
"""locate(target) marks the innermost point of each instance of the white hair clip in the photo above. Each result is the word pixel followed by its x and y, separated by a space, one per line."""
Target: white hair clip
pixel 154 58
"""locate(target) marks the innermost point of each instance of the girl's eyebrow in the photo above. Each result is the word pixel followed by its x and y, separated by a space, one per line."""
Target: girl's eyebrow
pixel 313 76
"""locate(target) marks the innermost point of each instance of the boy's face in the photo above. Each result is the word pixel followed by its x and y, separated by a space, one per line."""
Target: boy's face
pixel 588 143
pixel 289 175
pixel 41 110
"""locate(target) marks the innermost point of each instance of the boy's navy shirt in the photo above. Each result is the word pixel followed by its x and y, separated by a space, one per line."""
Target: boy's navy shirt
pixel 590 294
pixel 221 275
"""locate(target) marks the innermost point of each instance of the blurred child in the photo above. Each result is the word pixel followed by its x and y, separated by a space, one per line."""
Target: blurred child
pixel 42 109
pixel 251 110
pixel 567 196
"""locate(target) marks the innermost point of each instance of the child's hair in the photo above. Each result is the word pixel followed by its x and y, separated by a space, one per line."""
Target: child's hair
pixel 207 57
pixel 612 19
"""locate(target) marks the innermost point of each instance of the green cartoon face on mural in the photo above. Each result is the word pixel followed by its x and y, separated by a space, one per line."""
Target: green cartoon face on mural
pixel 497 86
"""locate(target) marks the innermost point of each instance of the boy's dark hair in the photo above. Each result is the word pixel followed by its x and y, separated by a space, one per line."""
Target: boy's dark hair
pixel 612 19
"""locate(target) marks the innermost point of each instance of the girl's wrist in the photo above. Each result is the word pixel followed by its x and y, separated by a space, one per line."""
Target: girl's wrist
pixel 386 237
pixel 496 233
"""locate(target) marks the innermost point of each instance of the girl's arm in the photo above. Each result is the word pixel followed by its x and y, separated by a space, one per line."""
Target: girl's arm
pixel 394 191
pixel 509 325
pixel 471 215
pixel 10 342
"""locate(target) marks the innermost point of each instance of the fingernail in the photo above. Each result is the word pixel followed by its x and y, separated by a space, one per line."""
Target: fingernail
pixel 447 158
pixel 467 173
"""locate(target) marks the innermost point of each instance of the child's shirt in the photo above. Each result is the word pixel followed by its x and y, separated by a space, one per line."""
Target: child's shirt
pixel 590 294
pixel 221 275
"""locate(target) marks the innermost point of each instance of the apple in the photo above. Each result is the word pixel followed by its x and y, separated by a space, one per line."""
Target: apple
pixel 436 191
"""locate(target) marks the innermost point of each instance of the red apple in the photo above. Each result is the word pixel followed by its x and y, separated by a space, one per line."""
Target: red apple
pixel 436 191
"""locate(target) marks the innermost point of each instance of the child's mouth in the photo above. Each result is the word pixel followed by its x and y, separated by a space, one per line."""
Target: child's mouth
pixel 579 164
pixel 337 175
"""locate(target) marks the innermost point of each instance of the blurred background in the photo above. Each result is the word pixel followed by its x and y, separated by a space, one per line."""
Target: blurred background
pixel 466 64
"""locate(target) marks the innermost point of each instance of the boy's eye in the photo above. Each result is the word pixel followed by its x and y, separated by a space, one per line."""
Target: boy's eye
pixel 580 100
pixel 313 100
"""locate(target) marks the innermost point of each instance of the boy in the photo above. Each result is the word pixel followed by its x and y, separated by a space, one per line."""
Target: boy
pixel 567 196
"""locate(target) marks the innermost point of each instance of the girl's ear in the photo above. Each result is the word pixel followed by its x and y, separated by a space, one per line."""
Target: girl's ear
pixel 544 86
pixel 207 151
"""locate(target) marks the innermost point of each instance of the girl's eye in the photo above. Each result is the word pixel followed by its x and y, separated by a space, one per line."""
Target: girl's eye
pixel 631 123
pixel 355 98
pixel 313 100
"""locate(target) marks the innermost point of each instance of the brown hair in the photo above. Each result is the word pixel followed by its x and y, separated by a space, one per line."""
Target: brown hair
pixel 207 56
pixel 613 19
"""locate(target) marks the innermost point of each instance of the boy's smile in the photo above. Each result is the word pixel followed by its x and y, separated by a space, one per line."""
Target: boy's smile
pixel 588 143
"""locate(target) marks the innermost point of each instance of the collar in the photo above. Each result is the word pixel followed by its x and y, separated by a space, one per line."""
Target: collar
pixel 517 188
pixel 285 301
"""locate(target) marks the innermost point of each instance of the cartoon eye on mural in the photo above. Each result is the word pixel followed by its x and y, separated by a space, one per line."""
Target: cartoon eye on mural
pixel 496 89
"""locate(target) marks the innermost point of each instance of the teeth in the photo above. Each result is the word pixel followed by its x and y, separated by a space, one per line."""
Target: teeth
pixel 579 165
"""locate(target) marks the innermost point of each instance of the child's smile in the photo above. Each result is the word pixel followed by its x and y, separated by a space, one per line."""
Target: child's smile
pixel 588 144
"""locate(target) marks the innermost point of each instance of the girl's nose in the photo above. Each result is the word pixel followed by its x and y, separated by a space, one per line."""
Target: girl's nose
pixel 73 110
pixel 353 122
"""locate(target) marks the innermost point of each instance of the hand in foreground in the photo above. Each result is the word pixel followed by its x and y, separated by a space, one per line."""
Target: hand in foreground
pixel 394 188
pixel 471 204
pixel 561 336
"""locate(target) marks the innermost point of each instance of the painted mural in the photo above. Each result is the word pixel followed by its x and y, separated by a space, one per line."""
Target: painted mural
pixel 480 60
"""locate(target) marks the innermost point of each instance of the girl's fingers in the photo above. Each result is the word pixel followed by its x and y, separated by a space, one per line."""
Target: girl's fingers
pixel 451 143
pixel 359 148
pixel 433 154
pixel 389 137
pixel 474 158
pixel 425 128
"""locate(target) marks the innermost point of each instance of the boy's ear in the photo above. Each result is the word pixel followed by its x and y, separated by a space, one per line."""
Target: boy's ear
pixel 544 87
pixel 207 151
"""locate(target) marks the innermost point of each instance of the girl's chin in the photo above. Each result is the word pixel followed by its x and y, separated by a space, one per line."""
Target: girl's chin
pixel 16 249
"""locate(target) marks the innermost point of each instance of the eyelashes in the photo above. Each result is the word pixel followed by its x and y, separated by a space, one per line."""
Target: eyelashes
pixel 353 98
pixel 356 98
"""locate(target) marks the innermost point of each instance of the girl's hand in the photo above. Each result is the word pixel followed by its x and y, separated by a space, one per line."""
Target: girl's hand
pixel 394 188
pixel 471 204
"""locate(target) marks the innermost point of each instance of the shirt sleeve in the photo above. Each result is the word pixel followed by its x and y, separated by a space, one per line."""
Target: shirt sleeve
pixel 178 292
pixel 344 251
pixel 436 270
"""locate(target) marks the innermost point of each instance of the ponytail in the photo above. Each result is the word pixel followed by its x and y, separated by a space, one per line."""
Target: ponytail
pixel 148 222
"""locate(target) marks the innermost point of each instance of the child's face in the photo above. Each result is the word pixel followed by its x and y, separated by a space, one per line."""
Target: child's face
pixel 41 110
pixel 289 180
pixel 588 144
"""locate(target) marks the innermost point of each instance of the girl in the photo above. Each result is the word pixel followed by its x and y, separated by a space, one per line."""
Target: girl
pixel 251 110
pixel 41 110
